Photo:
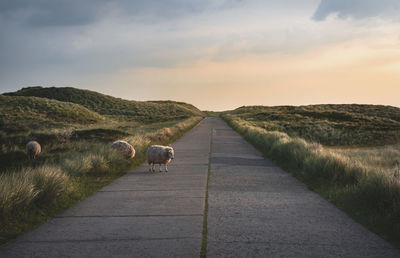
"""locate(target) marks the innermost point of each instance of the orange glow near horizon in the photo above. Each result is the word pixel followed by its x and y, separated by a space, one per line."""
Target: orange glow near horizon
pixel 353 72
pixel 216 55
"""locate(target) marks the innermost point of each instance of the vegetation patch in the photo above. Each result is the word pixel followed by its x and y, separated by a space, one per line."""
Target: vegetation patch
pixel 98 134
pixel 75 129
pixel 142 111
pixel 24 114
pixel 330 125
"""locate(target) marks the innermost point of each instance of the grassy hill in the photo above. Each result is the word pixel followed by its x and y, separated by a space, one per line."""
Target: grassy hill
pixel 54 116
pixel 21 114
pixel 329 124
pixel 141 111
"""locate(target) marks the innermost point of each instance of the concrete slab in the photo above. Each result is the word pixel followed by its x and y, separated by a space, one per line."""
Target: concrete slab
pixel 159 181
pixel 114 228
pixel 225 132
pixel 310 230
pixel 239 179
pixel 232 155
pixel 185 247
pixel 241 161
pixel 284 249
pixel 265 204
pixel 233 147
pixel 133 203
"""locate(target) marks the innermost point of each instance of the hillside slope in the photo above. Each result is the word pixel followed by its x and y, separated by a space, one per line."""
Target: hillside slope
pixel 329 124
pixel 142 111
pixel 19 114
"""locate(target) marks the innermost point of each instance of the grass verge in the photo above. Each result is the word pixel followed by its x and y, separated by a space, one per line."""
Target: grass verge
pixel 370 197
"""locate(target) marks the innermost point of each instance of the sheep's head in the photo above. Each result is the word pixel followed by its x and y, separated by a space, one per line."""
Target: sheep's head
pixel 170 153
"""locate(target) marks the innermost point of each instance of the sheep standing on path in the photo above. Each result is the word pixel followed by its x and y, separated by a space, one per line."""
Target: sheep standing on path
pixel 125 148
pixel 33 149
pixel 157 154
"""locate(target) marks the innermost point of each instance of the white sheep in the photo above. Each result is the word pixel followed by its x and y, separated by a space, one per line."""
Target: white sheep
pixel 124 147
pixel 33 149
pixel 157 154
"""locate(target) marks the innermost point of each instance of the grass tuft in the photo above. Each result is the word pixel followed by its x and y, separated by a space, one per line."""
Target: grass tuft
pixel 24 189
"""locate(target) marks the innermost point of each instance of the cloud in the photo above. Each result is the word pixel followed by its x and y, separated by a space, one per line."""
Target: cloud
pixel 52 13
pixel 357 9
pixel 44 13
pixel 79 43
pixel 58 42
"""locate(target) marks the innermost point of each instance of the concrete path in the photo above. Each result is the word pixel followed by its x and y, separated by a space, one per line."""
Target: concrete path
pixel 141 214
pixel 254 210
pixel 258 210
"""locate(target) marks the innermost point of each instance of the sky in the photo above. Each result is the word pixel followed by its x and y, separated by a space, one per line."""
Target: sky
pixel 215 54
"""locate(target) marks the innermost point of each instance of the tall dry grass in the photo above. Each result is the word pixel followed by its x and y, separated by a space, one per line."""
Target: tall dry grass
pixel 364 191
pixel 383 158
pixel 20 190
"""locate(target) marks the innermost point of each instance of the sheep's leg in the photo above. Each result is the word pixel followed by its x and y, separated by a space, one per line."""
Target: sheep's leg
pixel 152 167
pixel 166 168
pixel 159 168
pixel 149 167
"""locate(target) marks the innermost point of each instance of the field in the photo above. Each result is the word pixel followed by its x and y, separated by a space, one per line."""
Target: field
pixel 330 125
pixel 75 129
pixel 350 154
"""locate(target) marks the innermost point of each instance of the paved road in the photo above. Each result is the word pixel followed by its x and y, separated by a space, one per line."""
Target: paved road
pixel 258 210
pixel 254 210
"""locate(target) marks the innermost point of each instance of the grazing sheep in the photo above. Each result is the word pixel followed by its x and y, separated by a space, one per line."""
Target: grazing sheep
pixel 33 149
pixel 158 154
pixel 124 147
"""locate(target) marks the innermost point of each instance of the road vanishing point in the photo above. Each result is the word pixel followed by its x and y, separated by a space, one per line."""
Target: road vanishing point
pixel 220 198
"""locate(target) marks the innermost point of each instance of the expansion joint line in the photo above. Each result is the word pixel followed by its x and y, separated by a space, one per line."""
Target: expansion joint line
pixel 203 251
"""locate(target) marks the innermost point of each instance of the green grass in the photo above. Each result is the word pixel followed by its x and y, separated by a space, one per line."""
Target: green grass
pixel 22 114
pixel 142 111
pixel 333 125
pixel 360 188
